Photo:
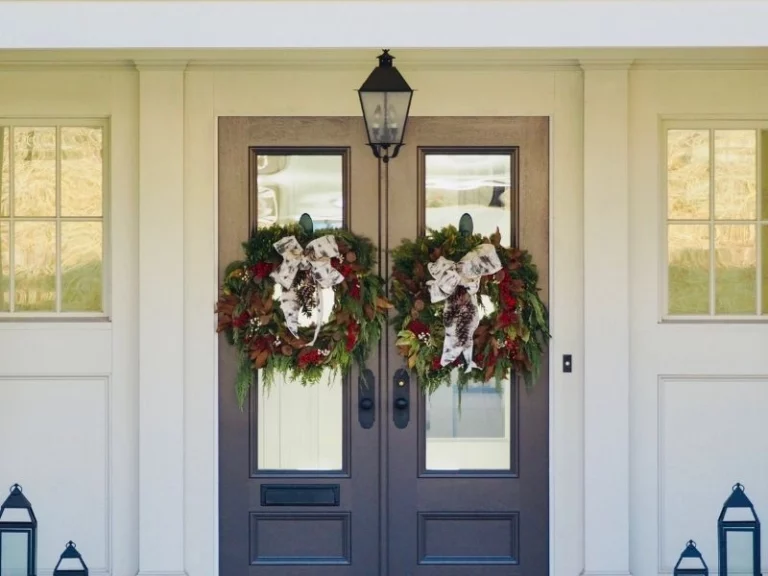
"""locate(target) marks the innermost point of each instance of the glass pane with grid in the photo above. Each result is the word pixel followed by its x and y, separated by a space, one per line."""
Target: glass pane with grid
pixel 715 216
pixel 51 219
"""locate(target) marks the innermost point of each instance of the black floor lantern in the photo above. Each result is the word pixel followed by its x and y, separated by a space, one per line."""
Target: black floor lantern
pixel 18 535
pixel 70 562
pixel 738 536
pixel 691 562
pixel 385 97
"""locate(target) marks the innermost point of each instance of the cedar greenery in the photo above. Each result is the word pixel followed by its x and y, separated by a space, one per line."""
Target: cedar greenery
pixel 511 336
pixel 253 321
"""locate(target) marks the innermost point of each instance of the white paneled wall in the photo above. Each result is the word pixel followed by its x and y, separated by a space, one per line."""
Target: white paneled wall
pixel 698 390
pixel 69 389
pixel 712 434
pixel 59 452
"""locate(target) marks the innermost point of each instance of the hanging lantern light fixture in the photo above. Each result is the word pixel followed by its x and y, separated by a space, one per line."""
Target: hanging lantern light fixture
pixel 385 98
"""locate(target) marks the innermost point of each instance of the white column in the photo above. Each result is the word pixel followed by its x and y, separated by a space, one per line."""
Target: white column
pixel 161 319
pixel 606 319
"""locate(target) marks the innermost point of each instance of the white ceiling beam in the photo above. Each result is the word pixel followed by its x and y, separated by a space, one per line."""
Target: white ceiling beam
pixel 57 24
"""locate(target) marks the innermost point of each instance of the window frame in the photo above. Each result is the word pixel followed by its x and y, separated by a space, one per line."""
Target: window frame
pixel 106 269
pixel 710 124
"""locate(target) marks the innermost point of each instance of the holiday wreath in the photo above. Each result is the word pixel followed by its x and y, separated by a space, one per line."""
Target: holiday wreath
pixel 271 305
pixel 463 300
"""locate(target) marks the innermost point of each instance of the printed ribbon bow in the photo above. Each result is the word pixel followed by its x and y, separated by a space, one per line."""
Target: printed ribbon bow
pixel 461 319
pixel 317 259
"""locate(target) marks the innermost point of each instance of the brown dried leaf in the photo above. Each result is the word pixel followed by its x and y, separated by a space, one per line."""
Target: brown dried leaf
pixel 383 303
pixel 261 359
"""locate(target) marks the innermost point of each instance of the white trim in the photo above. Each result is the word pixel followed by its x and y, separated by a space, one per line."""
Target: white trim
pixel 606 321
pixel 208 96
pixel 476 23
pixel 161 321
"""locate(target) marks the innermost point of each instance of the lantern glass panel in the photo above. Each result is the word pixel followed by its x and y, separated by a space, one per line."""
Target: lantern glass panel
pixel 385 115
pixel 70 566
pixel 14 552
pixel 691 566
pixel 740 551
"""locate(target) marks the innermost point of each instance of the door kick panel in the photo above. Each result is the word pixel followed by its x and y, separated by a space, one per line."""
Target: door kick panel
pixel 401 405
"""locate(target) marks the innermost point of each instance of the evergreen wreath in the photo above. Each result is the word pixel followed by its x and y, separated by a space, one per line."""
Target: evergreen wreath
pixel 481 296
pixel 254 318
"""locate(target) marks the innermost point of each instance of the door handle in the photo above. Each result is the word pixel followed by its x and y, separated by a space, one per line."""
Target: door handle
pixel 401 393
pixel 366 394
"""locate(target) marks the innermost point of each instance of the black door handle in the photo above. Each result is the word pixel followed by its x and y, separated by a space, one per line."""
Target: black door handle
pixel 366 404
pixel 401 388
pixel 366 394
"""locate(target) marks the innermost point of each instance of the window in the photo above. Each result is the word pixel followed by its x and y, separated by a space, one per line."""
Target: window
pixel 716 236
pixel 52 219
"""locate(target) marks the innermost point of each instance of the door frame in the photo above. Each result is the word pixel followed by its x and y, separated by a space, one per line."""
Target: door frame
pixel 555 92
pixel 385 354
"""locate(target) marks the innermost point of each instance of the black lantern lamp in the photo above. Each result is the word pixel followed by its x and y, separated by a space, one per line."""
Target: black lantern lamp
pixel 18 535
pixel 70 563
pixel 386 99
pixel 691 562
pixel 738 536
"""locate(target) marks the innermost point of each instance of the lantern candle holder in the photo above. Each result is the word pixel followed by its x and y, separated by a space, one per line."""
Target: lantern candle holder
pixel 70 562
pixel 738 536
pixel 18 535
pixel 691 562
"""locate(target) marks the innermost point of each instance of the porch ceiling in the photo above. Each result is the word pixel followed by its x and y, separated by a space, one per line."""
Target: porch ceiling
pixel 373 23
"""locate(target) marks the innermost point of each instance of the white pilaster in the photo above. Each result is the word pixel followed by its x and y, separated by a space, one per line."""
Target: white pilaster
pixel 161 319
pixel 606 319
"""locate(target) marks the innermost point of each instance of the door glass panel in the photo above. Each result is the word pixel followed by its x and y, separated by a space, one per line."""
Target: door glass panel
pixel 471 430
pixel 301 428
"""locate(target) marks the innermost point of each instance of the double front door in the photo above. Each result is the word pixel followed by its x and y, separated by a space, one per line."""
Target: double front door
pixel 344 479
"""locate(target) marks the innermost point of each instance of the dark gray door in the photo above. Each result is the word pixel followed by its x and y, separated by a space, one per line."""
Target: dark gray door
pixel 298 473
pixel 468 489
pixel 308 483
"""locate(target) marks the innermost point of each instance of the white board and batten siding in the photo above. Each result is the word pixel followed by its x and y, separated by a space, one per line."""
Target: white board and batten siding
pixel 68 387
pixel 699 387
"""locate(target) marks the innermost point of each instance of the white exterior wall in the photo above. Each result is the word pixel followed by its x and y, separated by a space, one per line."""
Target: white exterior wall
pixel 68 390
pixel 699 391
pixel 143 434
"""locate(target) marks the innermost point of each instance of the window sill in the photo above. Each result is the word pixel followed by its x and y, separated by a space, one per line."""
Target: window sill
pixel 720 319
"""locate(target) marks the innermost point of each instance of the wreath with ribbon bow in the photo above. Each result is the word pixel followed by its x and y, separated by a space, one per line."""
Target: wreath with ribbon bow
pixel 465 301
pixel 275 307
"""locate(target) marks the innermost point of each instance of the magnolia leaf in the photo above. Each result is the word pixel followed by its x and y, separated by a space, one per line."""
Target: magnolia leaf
pixel 404 341
pixel 412 360
pixel 383 303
